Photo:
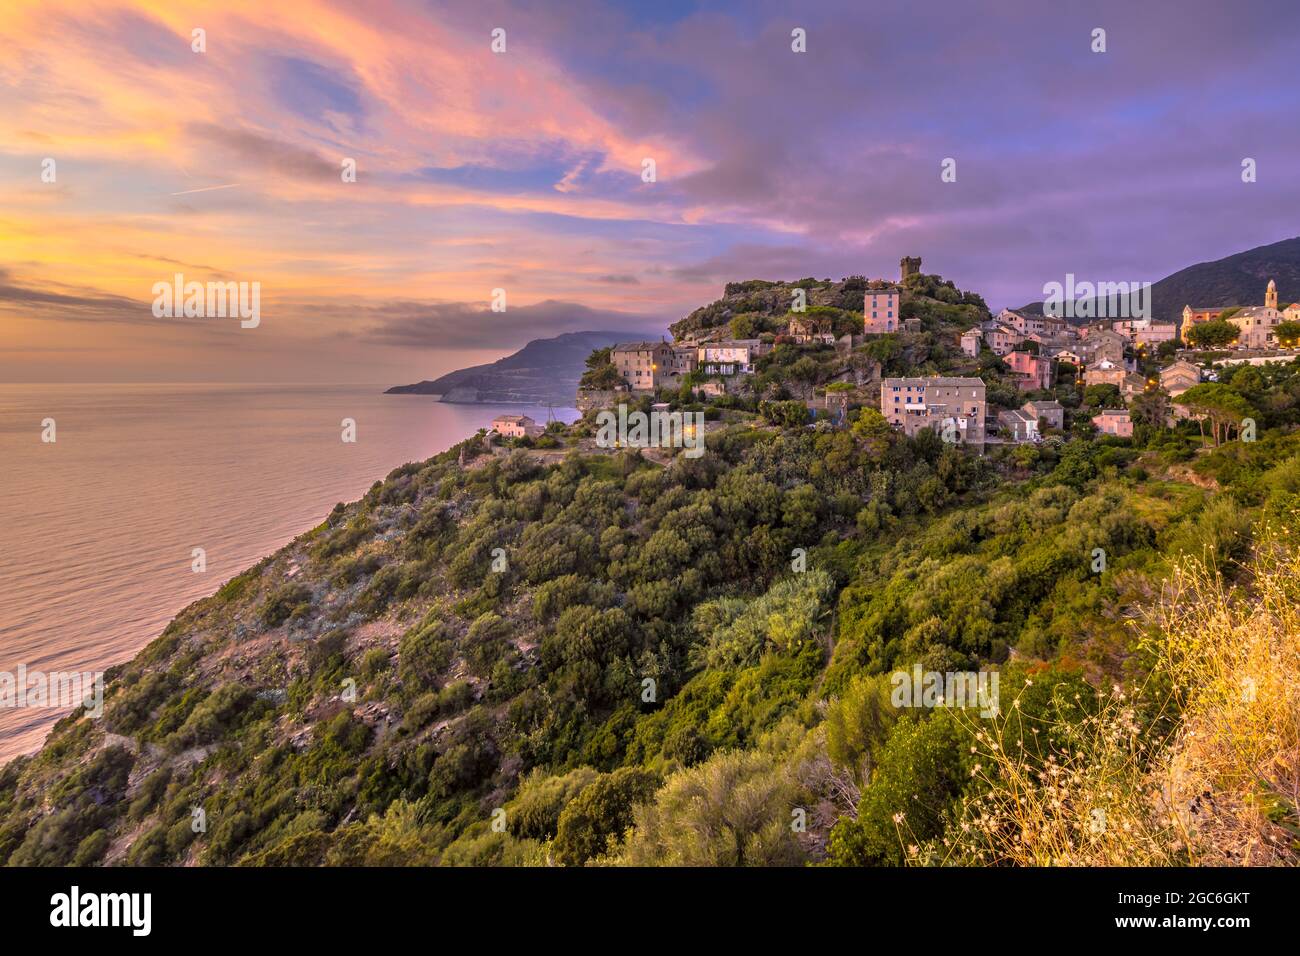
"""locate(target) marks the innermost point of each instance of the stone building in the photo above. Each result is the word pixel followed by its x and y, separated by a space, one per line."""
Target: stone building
pixel 955 407
pixel 644 366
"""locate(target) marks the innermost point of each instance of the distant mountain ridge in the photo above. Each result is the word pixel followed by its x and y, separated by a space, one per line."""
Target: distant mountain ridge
pixel 1238 279
pixel 545 371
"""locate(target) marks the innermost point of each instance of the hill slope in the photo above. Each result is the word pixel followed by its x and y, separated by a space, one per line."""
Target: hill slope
pixel 573 654
pixel 543 371
pixel 1238 279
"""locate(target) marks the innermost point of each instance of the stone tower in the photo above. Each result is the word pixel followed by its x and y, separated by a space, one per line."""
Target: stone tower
pixel 909 266
pixel 1270 295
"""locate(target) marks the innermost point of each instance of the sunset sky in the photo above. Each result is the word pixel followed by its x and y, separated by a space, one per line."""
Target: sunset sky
pixel 522 170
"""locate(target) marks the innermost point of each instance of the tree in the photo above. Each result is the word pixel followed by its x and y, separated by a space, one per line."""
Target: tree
pixel 1076 467
pixel 873 430
pixel 1288 333
pixel 602 810
pixel 1102 396
pixel 896 809
pixel 1150 408
pixel 791 414
pixel 735 809
pixel 601 372
pixel 858 724
pixel 1223 407
pixel 1212 334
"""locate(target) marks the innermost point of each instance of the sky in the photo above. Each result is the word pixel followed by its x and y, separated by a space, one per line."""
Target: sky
pixel 523 170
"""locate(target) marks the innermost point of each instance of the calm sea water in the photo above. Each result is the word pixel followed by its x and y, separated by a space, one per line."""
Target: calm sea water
pixel 97 529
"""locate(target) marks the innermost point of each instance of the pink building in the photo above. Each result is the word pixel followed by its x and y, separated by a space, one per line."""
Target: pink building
pixel 515 426
pixel 1034 370
pixel 1114 421
pixel 880 311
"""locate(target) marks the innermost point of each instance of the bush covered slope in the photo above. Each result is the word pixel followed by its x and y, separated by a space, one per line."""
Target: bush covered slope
pixel 574 657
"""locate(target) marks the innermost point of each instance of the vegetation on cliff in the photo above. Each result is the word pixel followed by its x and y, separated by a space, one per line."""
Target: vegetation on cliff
pixel 592 656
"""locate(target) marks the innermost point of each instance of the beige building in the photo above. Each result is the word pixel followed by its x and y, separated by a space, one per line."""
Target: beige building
pixel 1179 377
pixel 1105 372
pixel 1145 333
pixel 953 407
pixel 1256 323
pixel 1028 324
pixel 643 365
pixel 1133 384
pixel 1099 344
pixel 1050 413
pixel 681 363
pixel 1255 327
pixel 970 342
pixel 1003 338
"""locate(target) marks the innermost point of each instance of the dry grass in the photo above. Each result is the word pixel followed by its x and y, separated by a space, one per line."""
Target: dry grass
pixel 1198 765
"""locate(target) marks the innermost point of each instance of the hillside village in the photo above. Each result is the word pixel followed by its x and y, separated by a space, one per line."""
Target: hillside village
pixel 927 356
pixel 454 669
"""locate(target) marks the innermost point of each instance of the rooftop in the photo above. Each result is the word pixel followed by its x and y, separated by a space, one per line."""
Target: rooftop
pixel 938 380
pixel 639 346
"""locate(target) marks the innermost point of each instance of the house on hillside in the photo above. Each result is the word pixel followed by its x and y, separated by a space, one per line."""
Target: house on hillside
pixel 1034 371
pixel 1144 333
pixel 644 366
pixel 1018 426
pixel 811 330
pixel 955 407
pixel 970 342
pixel 1050 413
pixel 1131 385
pixel 1105 372
pixel 1101 344
pixel 880 310
pixel 1179 377
pixel 730 357
pixel 1002 338
pixel 1069 355
pixel 1114 422
pixel 516 426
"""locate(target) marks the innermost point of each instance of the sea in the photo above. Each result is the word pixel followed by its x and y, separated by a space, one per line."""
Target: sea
pixel 98 528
